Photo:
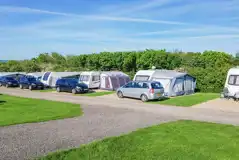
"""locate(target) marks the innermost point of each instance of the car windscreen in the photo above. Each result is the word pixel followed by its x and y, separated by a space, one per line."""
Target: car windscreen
pixel 10 79
pixel 84 78
pixel 156 85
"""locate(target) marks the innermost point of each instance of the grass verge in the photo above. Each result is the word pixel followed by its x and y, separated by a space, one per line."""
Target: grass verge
pixel 16 110
pixel 181 140
pixel 188 100
pixel 96 94
pixel 45 90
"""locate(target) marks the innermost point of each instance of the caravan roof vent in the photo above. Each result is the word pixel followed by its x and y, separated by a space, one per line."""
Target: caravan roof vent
pixel 153 67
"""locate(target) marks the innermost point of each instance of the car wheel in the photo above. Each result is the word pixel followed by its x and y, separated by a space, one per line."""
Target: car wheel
pixel 144 98
pixel 21 87
pixel 42 88
pixel 120 94
pixel 74 91
pixel 0 84
pixel 30 87
pixel 7 85
pixel 58 89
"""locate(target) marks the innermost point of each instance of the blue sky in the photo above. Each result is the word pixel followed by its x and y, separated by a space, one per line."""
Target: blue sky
pixel 29 27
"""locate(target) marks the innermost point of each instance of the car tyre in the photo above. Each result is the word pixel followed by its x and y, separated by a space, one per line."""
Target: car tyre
pixel 0 84
pixel 7 86
pixel 58 89
pixel 20 86
pixel 144 98
pixel 120 94
pixel 73 91
pixel 30 87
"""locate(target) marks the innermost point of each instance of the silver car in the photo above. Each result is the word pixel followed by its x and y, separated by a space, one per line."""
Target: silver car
pixel 144 90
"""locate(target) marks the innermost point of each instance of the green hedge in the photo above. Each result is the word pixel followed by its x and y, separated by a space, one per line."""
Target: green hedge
pixel 209 67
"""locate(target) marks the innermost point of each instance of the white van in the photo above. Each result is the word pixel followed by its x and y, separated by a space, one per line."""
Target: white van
pixel 91 79
pixel 232 83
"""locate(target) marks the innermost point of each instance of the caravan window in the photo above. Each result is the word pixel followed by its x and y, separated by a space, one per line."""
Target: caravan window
pixel 84 78
pixel 141 78
pixel 233 80
pixel 95 78
pixel 46 75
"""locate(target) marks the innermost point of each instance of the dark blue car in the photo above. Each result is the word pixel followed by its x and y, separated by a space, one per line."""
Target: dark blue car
pixel 71 85
pixel 8 82
pixel 30 83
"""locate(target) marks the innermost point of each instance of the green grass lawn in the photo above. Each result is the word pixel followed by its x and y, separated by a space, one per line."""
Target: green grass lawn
pixel 182 140
pixel 45 90
pixel 188 100
pixel 16 110
pixel 96 94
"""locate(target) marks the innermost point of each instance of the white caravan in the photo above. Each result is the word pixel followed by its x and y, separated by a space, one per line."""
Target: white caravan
pixel 174 83
pixel 91 79
pixel 232 82
pixel 50 78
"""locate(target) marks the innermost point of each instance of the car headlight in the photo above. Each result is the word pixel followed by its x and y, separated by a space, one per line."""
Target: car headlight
pixel 9 82
pixel 33 84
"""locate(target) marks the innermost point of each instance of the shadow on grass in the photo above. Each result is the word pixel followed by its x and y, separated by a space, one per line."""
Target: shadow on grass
pixel 1 102
pixel 161 99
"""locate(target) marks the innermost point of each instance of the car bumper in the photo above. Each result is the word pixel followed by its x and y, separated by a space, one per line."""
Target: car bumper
pixel 156 96
pixel 13 85
pixel 82 90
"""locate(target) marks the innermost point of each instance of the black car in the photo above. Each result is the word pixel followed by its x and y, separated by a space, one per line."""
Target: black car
pixel 71 85
pixel 8 82
pixel 30 83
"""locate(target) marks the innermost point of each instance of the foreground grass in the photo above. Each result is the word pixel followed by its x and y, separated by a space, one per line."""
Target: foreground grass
pixel 182 140
pixel 16 110
pixel 96 94
pixel 188 100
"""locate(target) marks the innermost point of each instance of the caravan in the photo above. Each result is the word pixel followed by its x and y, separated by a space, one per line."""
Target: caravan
pixel 50 78
pixel 91 79
pixel 113 80
pixel 231 89
pixel 174 83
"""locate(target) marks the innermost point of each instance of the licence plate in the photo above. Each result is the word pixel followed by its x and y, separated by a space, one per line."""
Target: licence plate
pixel 158 94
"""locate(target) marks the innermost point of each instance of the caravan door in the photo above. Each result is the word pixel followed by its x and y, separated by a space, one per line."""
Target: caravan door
pixel 95 81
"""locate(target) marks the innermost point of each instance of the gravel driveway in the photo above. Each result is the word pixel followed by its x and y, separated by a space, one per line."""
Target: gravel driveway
pixel 103 116
pixel 30 140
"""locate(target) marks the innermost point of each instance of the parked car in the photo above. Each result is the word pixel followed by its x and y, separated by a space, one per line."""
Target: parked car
pixel 30 83
pixel 71 85
pixel 144 90
pixel 8 82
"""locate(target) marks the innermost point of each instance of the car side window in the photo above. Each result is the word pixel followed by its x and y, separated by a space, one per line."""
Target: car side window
pixel 129 85
pixel 142 85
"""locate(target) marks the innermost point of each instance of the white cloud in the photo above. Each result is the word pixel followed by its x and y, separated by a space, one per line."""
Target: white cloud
pixel 88 17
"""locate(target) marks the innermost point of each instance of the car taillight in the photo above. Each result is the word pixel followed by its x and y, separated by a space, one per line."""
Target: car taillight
pixel 151 90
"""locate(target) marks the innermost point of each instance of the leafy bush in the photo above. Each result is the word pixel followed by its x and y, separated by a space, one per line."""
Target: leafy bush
pixel 210 67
